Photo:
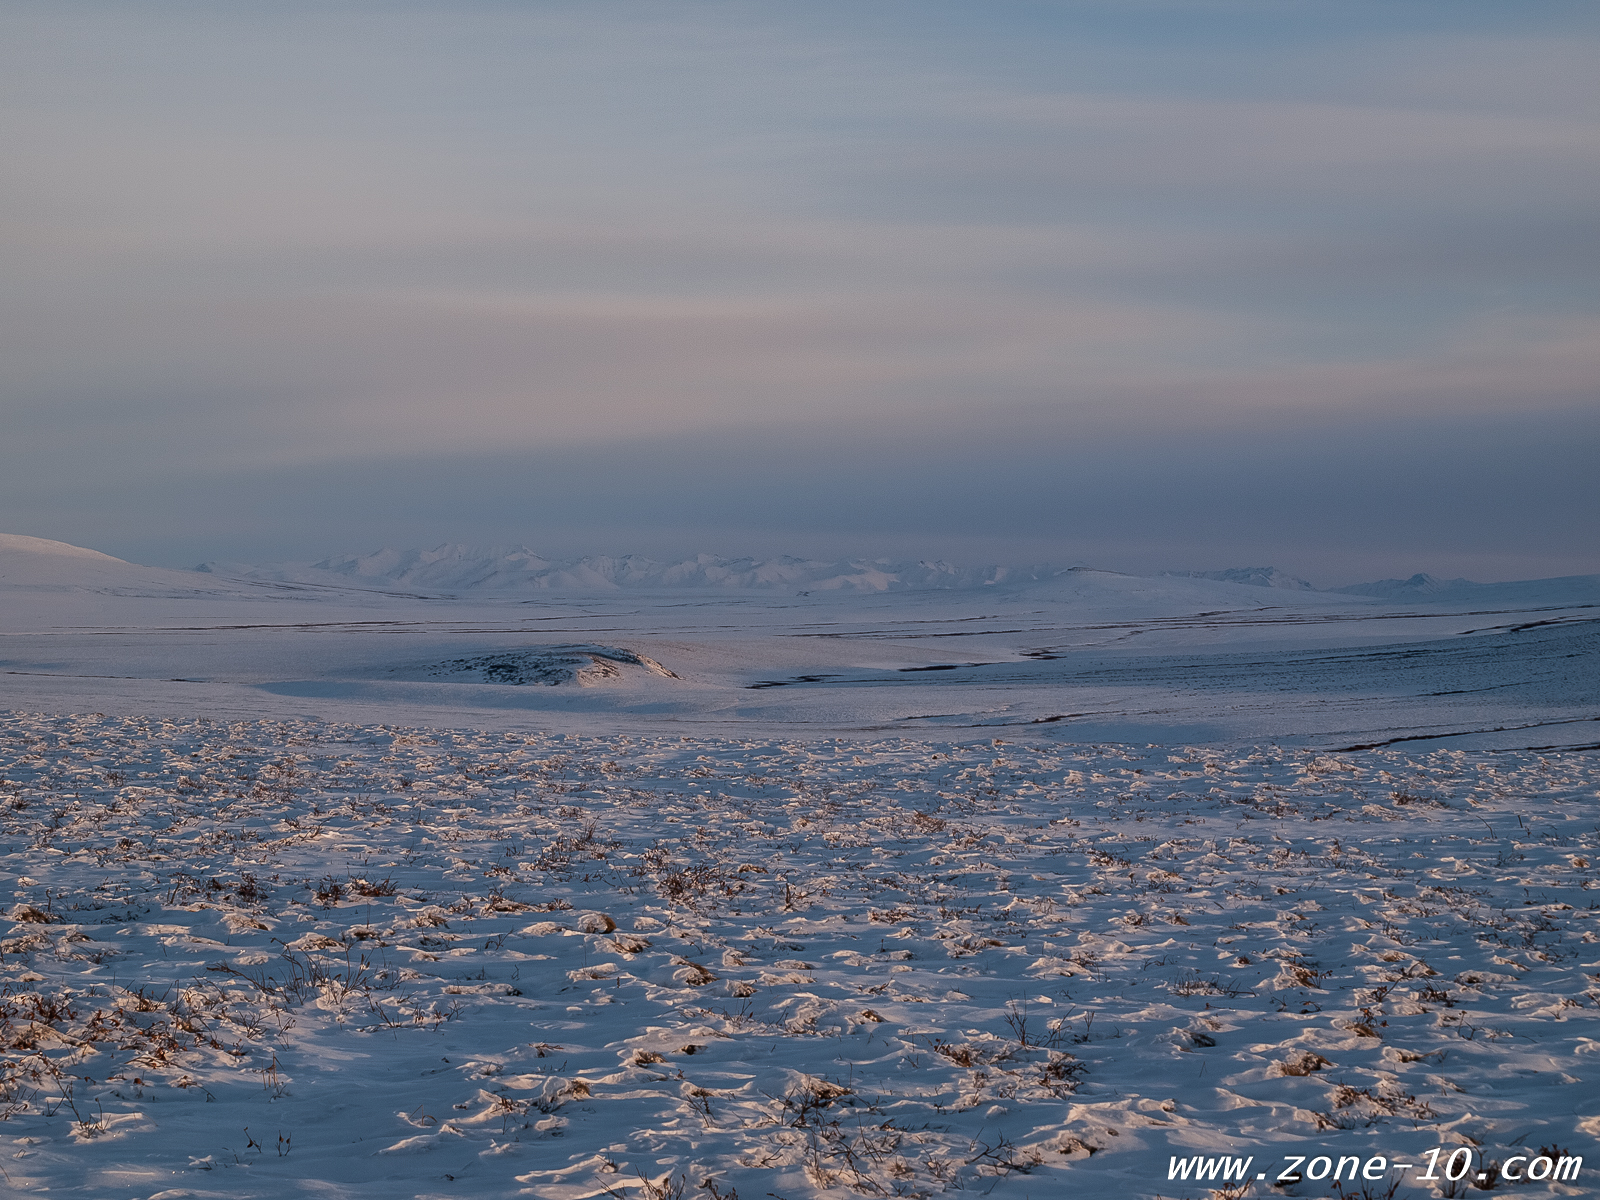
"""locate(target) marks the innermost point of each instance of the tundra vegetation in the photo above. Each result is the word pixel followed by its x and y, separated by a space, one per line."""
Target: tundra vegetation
pixel 389 960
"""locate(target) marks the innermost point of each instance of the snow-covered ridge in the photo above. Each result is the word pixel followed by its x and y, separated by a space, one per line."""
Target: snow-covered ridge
pixel 44 567
pixel 1269 577
pixel 16 543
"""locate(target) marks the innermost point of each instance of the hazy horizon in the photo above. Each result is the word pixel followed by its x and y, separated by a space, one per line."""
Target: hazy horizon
pixel 819 554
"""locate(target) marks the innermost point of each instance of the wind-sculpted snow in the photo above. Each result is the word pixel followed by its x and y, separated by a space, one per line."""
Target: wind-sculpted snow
pixel 263 960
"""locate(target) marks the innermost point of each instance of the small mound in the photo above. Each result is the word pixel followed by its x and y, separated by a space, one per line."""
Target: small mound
pixel 548 665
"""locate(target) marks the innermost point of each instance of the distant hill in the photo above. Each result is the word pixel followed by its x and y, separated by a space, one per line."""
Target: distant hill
pixel 1565 589
pixel 1269 577
pixel 1400 589
pixel 40 566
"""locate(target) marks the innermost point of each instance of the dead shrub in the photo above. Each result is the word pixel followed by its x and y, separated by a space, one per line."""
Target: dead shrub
pixel 329 891
pixel 1302 1062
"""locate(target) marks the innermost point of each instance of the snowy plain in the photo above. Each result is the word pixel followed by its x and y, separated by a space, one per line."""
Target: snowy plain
pixel 1030 886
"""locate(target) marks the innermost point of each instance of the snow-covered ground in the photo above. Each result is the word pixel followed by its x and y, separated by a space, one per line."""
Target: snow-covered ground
pixel 293 958
pixel 1083 655
pixel 1050 887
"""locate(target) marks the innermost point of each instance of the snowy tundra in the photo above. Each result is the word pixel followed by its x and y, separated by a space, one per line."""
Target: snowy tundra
pixel 1082 885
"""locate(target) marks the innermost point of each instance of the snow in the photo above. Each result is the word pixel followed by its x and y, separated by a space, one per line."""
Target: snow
pixel 1023 889
pixel 286 957
pixel 32 566
pixel 23 549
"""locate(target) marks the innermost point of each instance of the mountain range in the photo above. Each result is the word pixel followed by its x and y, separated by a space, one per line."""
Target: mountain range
pixel 452 569
pixel 456 568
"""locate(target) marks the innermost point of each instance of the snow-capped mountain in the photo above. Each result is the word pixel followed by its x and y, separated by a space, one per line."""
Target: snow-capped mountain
pixel 1269 577
pixel 457 568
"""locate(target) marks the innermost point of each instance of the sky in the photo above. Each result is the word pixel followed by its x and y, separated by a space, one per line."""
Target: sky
pixel 1147 285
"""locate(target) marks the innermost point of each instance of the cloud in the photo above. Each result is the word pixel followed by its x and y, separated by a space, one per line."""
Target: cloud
pixel 250 242
pixel 1484 495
